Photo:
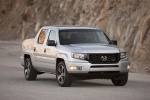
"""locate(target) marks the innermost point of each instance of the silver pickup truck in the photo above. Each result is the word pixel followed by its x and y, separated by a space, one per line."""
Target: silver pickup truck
pixel 72 52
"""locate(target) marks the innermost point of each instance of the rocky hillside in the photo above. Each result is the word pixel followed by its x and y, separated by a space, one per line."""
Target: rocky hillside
pixel 128 21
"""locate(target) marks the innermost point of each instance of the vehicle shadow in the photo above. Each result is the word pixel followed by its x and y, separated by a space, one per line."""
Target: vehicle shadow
pixel 76 83
pixel 91 84
pixel 47 81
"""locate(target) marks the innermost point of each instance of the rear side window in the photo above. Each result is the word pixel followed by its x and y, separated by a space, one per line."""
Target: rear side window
pixel 42 36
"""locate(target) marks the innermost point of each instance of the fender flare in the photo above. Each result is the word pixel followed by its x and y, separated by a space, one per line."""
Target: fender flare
pixel 63 56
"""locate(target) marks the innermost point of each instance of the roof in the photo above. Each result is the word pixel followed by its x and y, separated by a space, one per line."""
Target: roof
pixel 62 27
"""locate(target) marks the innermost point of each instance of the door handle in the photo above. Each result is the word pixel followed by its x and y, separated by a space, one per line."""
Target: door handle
pixel 34 49
pixel 44 50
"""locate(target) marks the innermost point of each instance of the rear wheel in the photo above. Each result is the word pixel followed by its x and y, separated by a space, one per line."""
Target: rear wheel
pixel 29 72
pixel 62 76
pixel 121 81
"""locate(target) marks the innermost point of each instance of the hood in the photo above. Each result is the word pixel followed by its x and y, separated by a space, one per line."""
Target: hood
pixel 95 48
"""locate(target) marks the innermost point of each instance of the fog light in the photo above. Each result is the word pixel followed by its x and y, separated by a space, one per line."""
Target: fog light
pixel 73 68
pixel 76 67
pixel 128 67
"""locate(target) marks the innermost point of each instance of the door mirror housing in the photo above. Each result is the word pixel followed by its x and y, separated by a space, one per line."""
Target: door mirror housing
pixel 114 42
pixel 51 43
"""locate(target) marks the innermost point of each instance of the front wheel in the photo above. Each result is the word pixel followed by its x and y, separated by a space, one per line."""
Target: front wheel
pixel 62 76
pixel 121 81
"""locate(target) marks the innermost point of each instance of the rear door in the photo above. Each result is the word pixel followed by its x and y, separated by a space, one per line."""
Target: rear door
pixel 38 50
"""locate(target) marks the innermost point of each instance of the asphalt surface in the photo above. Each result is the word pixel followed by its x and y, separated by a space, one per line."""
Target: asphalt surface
pixel 13 85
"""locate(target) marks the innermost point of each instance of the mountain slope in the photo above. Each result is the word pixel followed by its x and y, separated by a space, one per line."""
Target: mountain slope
pixel 128 21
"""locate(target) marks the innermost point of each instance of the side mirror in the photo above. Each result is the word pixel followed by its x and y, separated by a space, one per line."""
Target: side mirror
pixel 114 42
pixel 51 43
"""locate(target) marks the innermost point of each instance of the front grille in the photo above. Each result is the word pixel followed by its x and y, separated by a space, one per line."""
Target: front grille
pixel 104 58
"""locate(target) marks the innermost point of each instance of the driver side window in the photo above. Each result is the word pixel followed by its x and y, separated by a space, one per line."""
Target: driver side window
pixel 52 35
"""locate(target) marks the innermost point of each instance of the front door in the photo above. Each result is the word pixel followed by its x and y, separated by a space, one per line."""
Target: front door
pixel 51 52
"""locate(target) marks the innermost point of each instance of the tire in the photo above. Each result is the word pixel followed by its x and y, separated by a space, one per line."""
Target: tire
pixel 29 72
pixel 121 81
pixel 62 76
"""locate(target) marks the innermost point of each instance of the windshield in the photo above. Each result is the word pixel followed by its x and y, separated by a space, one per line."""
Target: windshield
pixel 76 36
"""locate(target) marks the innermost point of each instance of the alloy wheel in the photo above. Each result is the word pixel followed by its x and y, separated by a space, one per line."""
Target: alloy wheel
pixel 61 74
pixel 27 69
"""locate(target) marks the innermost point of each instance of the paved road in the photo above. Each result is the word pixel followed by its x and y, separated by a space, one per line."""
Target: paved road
pixel 13 85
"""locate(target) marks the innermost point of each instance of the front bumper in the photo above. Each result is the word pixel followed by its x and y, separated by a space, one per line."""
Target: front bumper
pixel 86 67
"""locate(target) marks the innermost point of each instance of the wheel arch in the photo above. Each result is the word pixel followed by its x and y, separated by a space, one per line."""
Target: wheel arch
pixel 58 60
pixel 26 56
pixel 61 57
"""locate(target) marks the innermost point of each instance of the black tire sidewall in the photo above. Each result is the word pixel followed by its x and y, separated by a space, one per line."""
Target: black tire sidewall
pixel 33 72
pixel 123 80
pixel 67 82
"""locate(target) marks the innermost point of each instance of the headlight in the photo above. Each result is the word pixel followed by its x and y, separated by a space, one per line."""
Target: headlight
pixel 123 55
pixel 81 56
